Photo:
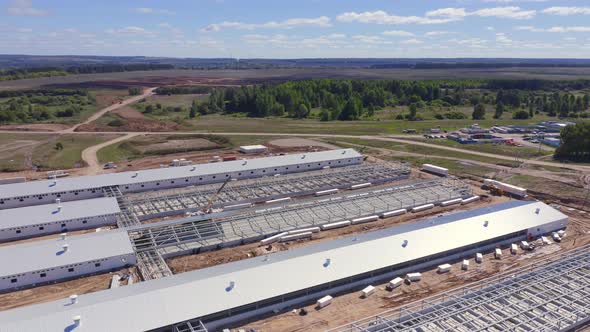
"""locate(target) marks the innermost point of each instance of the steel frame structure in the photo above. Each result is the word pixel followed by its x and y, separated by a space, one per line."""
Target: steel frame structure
pixel 187 234
pixel 551 295
pixel 190 327
pixel 151 204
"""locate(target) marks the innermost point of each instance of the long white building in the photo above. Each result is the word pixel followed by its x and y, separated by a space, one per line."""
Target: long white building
pixel 83 187
pixel 224 294
pixel 40 262
pixel 38 220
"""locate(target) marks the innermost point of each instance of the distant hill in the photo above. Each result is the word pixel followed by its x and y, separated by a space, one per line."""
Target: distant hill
pixel 72 61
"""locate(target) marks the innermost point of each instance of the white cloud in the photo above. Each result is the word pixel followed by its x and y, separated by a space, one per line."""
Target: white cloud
pixel 397 33
pixel 321 21
pixel 369 39
pixel 555 29
pixel 131 31
pixel 25 8
pixel 412 42
pixel 382 17
pixel 438 16
pixel 505 12
pixel 147 10
pixel 502 38
pixel 490 28
pixel 566 11
pixel 437 33
pixel 511 1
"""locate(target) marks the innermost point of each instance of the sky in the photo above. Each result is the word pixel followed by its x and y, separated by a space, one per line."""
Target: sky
pixel 298 28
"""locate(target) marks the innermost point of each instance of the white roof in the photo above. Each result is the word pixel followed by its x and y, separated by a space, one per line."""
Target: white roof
pixel 46 254
pixel 170 300
pixel 49 213
pixel 252 147
pixel 171 173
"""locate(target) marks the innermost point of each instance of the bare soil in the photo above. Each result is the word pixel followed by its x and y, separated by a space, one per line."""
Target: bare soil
pixel 36 127
pixel 129 113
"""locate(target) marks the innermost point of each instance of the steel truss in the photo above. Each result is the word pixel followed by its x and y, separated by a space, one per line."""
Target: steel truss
pixel 552 295
pixel 127 217
pixel 184 234
pixel 146 205
pixel 194 326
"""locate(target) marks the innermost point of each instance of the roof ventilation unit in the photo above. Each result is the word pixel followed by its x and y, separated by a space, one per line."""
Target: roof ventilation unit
pixel 136 174
pixel 57 200
pixel 486 223
pixel 537 210
pixel 64 236
pixel 405 243
pixel 231 286
pixel 65 247
pixel 327 262
pixel 77 320
pixel 73 299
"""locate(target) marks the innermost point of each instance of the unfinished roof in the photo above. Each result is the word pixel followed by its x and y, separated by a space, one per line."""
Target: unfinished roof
pixel 50 213
pixel 170 173
pixel 46 254
pixel 166 301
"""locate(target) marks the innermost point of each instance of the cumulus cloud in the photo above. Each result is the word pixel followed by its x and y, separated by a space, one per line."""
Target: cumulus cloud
pixel 382 17
pixel 566 11
pixel 412 41
pixel 502 38
pixel 24 8
pixel 147 10
pixel 437 33
pixel 555 29
pixel 397 33
pixel 438 16
pixel 322 21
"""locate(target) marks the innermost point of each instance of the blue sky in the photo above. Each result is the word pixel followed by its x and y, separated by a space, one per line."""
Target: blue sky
pixel 298 29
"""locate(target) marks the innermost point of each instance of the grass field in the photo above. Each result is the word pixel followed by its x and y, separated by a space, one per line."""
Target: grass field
pixel 160 77
pixel 427 152
pixel 26 151
pixel 142 146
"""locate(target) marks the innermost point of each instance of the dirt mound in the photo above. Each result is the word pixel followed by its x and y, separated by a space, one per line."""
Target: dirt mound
pixel 136 125
pixel 127 112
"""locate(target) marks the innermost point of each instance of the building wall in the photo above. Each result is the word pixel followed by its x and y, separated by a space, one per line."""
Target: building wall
pixel 16 233
pixel 62 273
pixel 174 183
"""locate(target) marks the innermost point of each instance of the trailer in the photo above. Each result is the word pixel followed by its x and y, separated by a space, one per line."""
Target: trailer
pixel 368 291
pixel 395 283
pixel 416 276
pixel 423 207
pixel 324 301
pixel 498 253
pixel 478 257
pixel 435 169
pixel 508 188
pixel 465 265
pixel 444 268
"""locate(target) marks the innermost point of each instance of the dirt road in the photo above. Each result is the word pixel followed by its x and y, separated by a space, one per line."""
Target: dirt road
pixel 90 157
pixel 146 93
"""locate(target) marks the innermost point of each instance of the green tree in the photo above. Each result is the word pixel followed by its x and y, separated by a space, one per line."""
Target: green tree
pixel 520 115
pixel 413 112
pixel 499 110
pixel 59 146
pixel 575 143
pixel 479 112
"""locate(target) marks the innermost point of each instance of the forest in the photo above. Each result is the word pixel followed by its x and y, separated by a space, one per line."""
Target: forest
pixel 42 105
pixel 356 99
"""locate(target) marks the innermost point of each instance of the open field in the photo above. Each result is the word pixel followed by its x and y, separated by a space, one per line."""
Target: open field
pixel 26 151
pixel 225 77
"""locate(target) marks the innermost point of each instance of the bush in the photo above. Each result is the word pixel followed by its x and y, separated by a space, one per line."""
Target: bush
pixel 520 115
pixel 439 117
pixel 455 116
pixel 116 123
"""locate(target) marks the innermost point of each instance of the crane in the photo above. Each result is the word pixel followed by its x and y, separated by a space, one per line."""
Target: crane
pixel 207 209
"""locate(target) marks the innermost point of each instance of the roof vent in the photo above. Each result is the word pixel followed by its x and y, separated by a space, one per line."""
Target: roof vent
pixel 327 262
pixel 136 174
pixel 77 320
pixel 343 151
pixel 59 208
pixel 57 200
pixel 486 223
pixel 303 157
pixel 405 243
pixel 65 247
pixel 537 210
pixel 231 286
pixel 245 162
pixel 64 235
pixel 193 168
pixel 73 299
pixel 54 183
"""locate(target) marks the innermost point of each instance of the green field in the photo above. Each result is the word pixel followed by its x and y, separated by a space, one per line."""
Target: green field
pixel 27 151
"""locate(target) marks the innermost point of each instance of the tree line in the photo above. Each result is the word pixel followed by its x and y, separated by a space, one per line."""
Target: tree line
pixel 42 105
pixel 575 143
pixel 336 99
pixel 35 72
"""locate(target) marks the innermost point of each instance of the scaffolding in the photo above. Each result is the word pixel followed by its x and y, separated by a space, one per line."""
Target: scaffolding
pixel 195 234
pixel 551 295
pixel 158 203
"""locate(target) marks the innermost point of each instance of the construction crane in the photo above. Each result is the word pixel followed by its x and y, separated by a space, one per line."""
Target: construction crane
pixel 207 209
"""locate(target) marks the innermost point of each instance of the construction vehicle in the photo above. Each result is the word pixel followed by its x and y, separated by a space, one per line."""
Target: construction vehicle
pixel 207 209
pixel 496 191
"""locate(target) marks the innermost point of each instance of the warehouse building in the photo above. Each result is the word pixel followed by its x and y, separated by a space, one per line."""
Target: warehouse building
pixel 38 220
pixel 221 295
pixel 39 262
pixel 84 187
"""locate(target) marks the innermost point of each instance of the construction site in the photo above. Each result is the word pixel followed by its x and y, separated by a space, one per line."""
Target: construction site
pixel 328 240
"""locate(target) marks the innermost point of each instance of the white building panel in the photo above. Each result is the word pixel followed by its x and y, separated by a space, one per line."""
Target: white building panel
pixel 83 187
pixel 166 301
pixel 45 219
pixel 31 263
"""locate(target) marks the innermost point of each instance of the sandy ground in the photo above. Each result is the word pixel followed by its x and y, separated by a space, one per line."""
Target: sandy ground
pixel 53 127
pixel 89 155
